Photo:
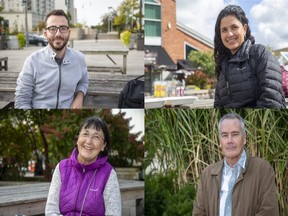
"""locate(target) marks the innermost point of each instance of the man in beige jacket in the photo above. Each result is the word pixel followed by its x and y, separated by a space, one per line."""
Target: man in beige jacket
pixel 238 185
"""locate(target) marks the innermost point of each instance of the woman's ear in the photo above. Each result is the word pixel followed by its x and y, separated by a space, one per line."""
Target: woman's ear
pixel 245 28
pixel 104 146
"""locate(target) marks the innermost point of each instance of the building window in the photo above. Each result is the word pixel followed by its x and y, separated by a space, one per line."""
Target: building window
pixel 188 49
pixel 152 12
pixel 152 23
pixel 152 28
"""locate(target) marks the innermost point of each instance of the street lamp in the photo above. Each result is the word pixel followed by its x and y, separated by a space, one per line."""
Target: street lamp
pixel 26 21
pixel 110 19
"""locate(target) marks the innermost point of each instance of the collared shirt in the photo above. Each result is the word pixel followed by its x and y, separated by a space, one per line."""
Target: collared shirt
pixel 226 175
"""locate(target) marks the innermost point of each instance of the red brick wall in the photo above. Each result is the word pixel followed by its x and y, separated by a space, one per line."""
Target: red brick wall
pixel 172 39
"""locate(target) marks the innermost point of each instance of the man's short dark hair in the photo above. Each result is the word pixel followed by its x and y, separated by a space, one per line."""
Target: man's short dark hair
pixel 56 12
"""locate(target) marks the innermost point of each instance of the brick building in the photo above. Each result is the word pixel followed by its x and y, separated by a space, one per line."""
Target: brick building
pixel 164 34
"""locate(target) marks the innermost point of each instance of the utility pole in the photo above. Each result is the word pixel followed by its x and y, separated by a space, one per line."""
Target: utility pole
pixel 140 17
pixel 26 22
pixel 110 19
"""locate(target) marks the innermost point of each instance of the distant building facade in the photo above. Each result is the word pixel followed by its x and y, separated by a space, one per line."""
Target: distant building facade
pixel 14 12
pixel 67 6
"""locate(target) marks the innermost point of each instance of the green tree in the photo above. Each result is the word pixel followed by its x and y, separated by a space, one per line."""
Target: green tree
pixel 105 18
pixel 125 147
pixel 13 148
pixel 40 26
pixel 128 15
pixel 204 61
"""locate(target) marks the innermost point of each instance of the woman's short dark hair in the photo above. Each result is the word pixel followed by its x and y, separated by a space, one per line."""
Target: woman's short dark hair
pixel 220 51
pixel 56 12
pixel 97 124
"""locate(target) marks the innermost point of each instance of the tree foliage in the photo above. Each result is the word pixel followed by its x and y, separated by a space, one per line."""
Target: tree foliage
pixel 40 26
pixel 125 17
pixel 128 15
pixel 204 60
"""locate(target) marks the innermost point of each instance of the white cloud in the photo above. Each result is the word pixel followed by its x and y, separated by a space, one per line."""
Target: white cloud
pixel 91 11
pixel 137 120
pixel 271 17
pixel 199 15
pixel 267 18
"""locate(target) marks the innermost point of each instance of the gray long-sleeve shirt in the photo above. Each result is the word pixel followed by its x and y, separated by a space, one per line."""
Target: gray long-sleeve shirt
pixel 44 84
pixel 112 197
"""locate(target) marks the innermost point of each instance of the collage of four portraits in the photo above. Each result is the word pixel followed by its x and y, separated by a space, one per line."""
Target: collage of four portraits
pixel 146 117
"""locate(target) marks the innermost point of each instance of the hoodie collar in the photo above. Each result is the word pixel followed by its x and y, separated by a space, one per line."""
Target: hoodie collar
pixel 95 165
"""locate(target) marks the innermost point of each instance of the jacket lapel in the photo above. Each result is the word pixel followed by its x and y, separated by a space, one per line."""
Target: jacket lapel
pixel 216 175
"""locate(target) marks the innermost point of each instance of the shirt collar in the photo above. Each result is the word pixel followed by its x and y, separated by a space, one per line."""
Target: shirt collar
pixel 241 162
pixel 66 59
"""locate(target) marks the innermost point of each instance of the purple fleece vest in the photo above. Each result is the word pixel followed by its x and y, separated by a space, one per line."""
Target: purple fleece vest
pixel 75 179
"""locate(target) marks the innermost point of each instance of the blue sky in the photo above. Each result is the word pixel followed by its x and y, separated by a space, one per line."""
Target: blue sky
pixel 267 18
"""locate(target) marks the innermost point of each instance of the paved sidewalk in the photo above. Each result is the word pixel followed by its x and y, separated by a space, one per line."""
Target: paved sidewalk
pixel 135 58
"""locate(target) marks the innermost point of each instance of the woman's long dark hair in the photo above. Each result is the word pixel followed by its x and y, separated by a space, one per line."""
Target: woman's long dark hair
pixel 220 51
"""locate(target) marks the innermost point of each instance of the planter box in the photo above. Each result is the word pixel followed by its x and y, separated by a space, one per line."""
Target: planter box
pixel 132 41
pixel 127 173
pixel 13 42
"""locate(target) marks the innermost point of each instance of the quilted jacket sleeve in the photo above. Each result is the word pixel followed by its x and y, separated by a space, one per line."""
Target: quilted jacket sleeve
pixel 217 101
pixel 269 78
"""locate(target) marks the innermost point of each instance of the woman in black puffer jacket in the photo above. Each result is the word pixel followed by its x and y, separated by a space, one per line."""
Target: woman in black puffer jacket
pixel 248 75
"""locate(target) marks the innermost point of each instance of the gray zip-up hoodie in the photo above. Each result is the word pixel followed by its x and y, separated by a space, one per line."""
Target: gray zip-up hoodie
pixel 43 83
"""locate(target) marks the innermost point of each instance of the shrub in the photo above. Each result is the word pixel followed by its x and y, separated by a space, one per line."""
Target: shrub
pixel 181 203
pixel 158 188
pixel 162 198
pixel 198 78
pixel 21 40
pixel 125 37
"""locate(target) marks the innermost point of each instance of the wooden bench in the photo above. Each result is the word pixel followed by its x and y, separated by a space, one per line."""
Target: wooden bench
pixel 103 92
pixel 123 52
pixel 30 199
pixel 4 63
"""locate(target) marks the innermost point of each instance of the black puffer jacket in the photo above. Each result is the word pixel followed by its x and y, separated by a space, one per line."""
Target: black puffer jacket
pixel 254 82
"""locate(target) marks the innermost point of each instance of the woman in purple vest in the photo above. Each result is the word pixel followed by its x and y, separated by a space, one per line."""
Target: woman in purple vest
pixel 85 183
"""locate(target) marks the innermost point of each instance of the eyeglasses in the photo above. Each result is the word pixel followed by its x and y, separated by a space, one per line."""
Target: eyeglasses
pixel 54 29
pixel 94 137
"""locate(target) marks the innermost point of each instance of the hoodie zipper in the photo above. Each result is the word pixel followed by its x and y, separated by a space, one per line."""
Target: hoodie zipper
pixel 59 86
pixel 83 171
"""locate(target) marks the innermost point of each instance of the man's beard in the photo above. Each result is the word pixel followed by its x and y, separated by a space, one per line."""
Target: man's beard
pixel 65 41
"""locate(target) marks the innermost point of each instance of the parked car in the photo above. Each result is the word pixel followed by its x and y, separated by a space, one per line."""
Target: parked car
pixel 37 40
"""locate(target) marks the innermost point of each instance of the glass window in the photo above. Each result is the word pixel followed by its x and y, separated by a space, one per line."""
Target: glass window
pixel 188 49
pixel 152 28
pixel 152 11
